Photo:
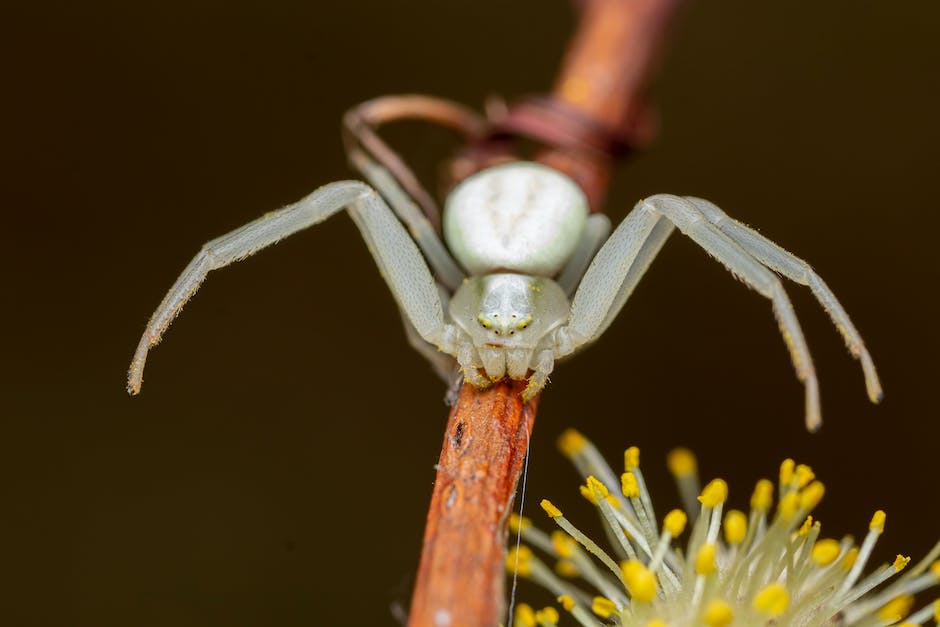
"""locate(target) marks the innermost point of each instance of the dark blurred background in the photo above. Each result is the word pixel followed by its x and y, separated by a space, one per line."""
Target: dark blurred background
pixel 277 467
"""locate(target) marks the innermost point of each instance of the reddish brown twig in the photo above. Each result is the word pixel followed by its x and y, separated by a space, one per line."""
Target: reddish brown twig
pixel 460 579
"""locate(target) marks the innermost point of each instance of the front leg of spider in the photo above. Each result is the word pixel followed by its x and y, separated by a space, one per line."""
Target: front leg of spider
pixel 394 252
pixel 622 261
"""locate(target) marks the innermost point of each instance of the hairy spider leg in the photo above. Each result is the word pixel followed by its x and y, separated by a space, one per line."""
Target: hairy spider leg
pixel 394 251
pixel 797 270
pixel 596 232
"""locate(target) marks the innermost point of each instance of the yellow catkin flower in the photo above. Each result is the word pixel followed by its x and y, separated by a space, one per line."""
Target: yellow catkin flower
pixel 786 472
pixel 763 496
pixel 598 488
pixel 772 600
pixel 566 569
pixel 897 608
pixel 629 486
pixel 806 526
pixel 877 523
pixel 640 581
pixel 517 523
pixel 804 474
pixel 714 494
pixel 849 560
pixel 631 458
pixel 811 495
pixel 705 559
pixel 547 616
pixel 682 462
pixel 603 607
pixel 900 563
pixel 551 510
pixel 571 442
pixel 519 559
pixel 566 602
pixel 735 526
pixel 524 616
pixel 588 494
pixel 826 551
pixel 789 505
pixel 674 522
pixel 718 613
pixel 563 544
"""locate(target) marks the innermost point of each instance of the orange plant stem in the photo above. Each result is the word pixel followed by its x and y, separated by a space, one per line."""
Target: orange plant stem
pixel 460 578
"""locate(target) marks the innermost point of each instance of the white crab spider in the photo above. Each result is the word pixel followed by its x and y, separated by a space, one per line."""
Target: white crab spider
pixel 523 233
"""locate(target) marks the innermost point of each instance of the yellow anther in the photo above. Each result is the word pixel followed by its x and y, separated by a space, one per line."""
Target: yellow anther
pixel 566 569
pixel 547 616
pixel 714 494
pixel 563 544
pixel 705 559
pixel 718 613
pixel 849 560
pixel 640 581
pixel 675 522
pixel 806 526
pixel 518 523
pixel 936 611
pixel 935 569
pixel 566 602
pixel 811 496
pixel 519 560
pixel 826 551
pixel 588 494
pixel 629 486
pixel 735 526
pixel 603 607
pixel 631 458
pixel 900 563
pixel 897 608
pixel 772 600
pixel 597 487
pixel 524 616
pixel 789 505
pixel 786 472
pixel 681 462
pixel 571 442
pixel 804 474
pixel 763 496
pixel 551 510
pixel 877 523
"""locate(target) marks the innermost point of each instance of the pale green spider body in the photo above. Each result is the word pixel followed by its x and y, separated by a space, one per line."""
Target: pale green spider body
pixel 523 234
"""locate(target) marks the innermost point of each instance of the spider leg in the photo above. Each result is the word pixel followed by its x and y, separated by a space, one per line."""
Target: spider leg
pixel 596 232
pixel 394 251
pixel 690 220
pixel 798 271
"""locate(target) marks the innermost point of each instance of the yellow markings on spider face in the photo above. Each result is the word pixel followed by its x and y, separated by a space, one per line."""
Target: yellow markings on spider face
pixel 682 462
pixel 631 458
pixel 705 560
pixel 900 563
pixel 714 494
pixel 524 616
pixel 551 510
pixel 518 523
pixel 485 322
pixel 674 522
pixel 571 442
pixel 566 602
pixel 826 551
pixel 640 581
pixel 897 608
pixel 603 607
pixel 718 613
pixel 519 560
pixel 735 527
pixel 563 544
pixel 812 495
pixel 629 485
pixel 763 496
pixel 772 600
pixel 877 523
